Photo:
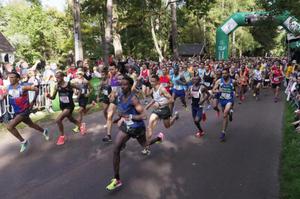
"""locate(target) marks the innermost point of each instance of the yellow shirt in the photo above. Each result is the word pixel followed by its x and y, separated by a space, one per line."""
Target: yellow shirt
pixel 289 71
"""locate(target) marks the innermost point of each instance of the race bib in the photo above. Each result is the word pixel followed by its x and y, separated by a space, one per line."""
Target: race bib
pixel 105 92
pixel 195 94
pixel 64 99
pixel 276 79
pixel 226 96
pixel 14 93
pixel 207 84
pixel 128 122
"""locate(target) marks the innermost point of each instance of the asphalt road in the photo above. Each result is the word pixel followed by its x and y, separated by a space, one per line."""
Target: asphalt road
pixel 182 167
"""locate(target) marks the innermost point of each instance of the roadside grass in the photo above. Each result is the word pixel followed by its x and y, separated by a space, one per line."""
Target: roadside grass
pixel 290 158
pixel 45 117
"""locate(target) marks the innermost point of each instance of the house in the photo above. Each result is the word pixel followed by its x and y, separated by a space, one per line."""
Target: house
pixel 6 50
pixel 190 50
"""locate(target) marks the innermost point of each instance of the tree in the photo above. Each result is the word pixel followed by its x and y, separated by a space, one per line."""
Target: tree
pixel 75 7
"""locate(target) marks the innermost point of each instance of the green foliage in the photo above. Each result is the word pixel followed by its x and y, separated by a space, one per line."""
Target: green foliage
pixel 36 33
pixel 290 159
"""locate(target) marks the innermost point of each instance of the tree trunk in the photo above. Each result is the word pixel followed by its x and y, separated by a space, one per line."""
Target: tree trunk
pixel 74 4
pixel 108 27
pixel 116 36
pixel 158 50
pixel 174 30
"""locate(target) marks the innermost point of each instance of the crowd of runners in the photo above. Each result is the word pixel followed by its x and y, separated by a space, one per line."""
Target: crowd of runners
pixel 130 88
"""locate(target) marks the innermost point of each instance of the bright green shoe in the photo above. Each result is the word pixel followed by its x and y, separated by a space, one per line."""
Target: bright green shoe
pixel 76 129
pixel 24 146
pixel 46 134
pixel 114 184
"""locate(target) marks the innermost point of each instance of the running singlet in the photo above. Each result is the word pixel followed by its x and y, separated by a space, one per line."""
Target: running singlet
pixel 162 100
pixel 125 107
pixel 208 79
pixel 165 82
pixel 277 75
pixel 114 83
pixel 196 95
pixel 145 74
pixel 66 96
pixel 226 90
pixel 18 99
pixel 257 75
pixel 177 86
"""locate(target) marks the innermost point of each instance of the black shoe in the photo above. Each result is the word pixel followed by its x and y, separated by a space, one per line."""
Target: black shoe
pixel 230 115
pixel 107 139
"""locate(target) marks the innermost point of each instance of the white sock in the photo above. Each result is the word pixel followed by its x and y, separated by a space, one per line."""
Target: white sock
pixel 24 141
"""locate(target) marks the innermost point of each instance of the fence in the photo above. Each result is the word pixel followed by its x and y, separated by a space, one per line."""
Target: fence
pixel 42 102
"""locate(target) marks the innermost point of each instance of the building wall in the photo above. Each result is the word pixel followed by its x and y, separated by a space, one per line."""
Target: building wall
pixel 11 57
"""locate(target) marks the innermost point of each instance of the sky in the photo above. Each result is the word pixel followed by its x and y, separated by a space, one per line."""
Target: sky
pixel 58 4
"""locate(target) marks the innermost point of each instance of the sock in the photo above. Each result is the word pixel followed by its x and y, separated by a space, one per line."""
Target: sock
pixel 24 141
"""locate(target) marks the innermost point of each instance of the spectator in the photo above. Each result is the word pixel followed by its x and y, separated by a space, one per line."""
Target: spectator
pixel 71 72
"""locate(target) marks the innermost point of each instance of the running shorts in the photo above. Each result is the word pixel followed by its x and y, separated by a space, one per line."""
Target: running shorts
pixel 163 113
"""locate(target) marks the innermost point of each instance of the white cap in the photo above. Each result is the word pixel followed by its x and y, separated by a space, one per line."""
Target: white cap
pixel 294 62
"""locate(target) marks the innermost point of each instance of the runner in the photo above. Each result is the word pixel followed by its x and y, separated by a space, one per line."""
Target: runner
pixel 199 94
pixel 144 78
pixel 83 97
pixel 178 88
pixel 276 79
pixel 114 82
pixel 225 86
pixel 105 90
pixel 19 100
pixel 165 80
pixel 243 83
pixel 161 101
pixel 65 93
pixel 216 96
pixel 131 125
pixel 257 81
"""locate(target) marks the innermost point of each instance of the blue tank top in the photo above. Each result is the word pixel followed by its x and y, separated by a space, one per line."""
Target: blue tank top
pixel 127 108
pixel 176 85
pixel 226 90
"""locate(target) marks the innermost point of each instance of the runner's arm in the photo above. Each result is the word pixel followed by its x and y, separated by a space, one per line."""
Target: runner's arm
pixel 139 108
pixel 216 87
pixel 53 96
pixel 167 95
pixel 204 90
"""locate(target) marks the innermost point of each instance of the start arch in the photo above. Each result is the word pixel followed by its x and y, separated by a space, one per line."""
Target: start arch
pixel 288 22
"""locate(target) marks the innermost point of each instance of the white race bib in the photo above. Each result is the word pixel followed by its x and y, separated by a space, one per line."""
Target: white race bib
pixel 64 99
pixel 105 92
pixel 226 96
pixel 14 93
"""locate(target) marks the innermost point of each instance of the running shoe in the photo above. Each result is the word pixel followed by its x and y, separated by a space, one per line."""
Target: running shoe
pixel 254 94
pixel 200 134
pixel 161 136
pixel 24 146
pixel 222 137
pixel 107 139
pixel 83 128
pixel 114 184
pixel 204 117
pixel 146 151
pixel 46 134
pixel 61 140
pixel 275 99
pixel 186 108
pixel 105 126
pixel 230 115
pixel 76 129
pixel 176 114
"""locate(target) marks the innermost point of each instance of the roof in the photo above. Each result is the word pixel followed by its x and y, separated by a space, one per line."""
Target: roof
pixel 190 49
pixel 5 46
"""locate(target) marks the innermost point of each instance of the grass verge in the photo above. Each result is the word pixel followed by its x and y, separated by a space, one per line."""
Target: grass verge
pixel 43 117
pixel 290 158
